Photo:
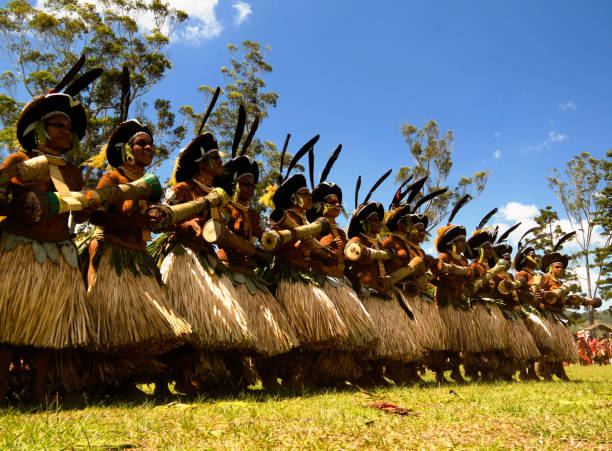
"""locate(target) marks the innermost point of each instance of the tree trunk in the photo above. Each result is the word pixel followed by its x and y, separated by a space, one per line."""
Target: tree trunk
pixel 589 290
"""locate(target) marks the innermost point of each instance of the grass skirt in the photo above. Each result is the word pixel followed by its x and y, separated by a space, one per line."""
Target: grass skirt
pixel 267 322
pixel 522 345
pixel 41 304
pixel 542 332
pixel 565 345
pixel 492 324
pixel 394 328
pixel 335 365
pixel 317 323
pixel 431 326
pixel 362 333
pixel 132 312
pixel 207 302
pixel 462 330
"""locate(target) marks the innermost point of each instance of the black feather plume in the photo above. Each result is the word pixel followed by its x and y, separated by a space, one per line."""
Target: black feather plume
pixel 415 188
pixel 535 238
pixel 70 75
pixel 330 162
pixel 83 81
pixel 239 130
pixel 282 158
pixel 486 218
pixel 357 186
pixel 399 194
pixel 533 229
pixel 377 184
pixel 300 153
pixel 507 233
pixel 211 105
pixel 311 167
pixel 125 94
pixel 495 232
pixel 429 197
pixel 249 138
pixel 464 200
pixel 563 239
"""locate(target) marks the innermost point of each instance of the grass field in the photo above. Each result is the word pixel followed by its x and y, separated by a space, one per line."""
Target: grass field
pixel 531 415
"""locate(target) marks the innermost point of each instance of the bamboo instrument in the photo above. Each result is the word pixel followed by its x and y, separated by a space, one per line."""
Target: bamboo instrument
pixel 167 216
pixel 576 300
pixel 41 206
pixel 414 287
pixel 273 239
pixel 415 265
pixel 501 267
pixel 454 270
pixel 507 286
pixel 34 170
pixel 355 251
pixel 558 295
pixel 216 232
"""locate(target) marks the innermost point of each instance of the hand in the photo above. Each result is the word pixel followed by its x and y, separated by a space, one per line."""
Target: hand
pixel 155 216
pixel 338 244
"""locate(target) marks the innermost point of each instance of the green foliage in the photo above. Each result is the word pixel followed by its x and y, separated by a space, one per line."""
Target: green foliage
pixel 603 218
pixel 432 153
pixel 580 189
pixel 244 86
pixel 42 45
pixel 550 232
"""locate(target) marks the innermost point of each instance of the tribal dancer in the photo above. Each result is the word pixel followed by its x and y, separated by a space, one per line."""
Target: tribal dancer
pixel 42 295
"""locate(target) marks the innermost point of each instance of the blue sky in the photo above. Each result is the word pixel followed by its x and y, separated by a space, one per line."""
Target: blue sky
pixel 523 85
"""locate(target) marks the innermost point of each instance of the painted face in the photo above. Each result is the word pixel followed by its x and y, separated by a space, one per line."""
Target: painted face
pixel 246 187
pixel 507 257
pixel 557 270
pixel 211 164
pixel 59 129
pixel 460 245
pixel 304 194
pixel 332 206
pixel 418 233
pixel 487 250
pixel 375 223
pixel 143 150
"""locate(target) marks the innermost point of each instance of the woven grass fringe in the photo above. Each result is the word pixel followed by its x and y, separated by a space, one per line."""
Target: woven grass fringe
pixel 394 329
pixel 41 304
pixel 362 333
pixel 132 312
pixel 522 346
pixel 565 345
pixel 207 302
pixel 462 331
pixel 105 370
pixel 541 331
pixel 317 323
pixel 432 330
pixel 335 365
pixel 493 325
pixel 272 332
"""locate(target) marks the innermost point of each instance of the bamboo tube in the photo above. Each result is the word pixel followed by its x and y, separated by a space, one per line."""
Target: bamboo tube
pixel 355 251
pixel 34 170
pixel 273 239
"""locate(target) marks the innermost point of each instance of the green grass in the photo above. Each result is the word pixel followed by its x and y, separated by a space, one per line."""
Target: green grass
pixel 532 415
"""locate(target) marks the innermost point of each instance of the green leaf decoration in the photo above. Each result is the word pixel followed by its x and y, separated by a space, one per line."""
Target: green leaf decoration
pixel 250 286
pixel 11 241
pixel 239 277
pixel 53 252
pixel 39 252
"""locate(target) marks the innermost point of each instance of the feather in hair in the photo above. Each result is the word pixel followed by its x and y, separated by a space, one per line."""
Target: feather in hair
pixel 330 163
pixel 249 138
pixel 211 105
pixel 300 153
pixel 507 233
pixel 464 200
pixel 563 239
pixel 486 218
pixel 533 229
pixel 124 107
pixel 83 81
pixel 357 186
pixel 282 158
pixel 429 197
pixel 239 130
pixel 377 184
pixel 70 75
pixel 311 167
pixel 415 188
pixel 399 195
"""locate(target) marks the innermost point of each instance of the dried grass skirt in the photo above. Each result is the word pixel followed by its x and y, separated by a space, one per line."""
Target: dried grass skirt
pixel 522 345
pixel 462 330
pixel 206 301
pixel 393 325
pixel 315 318
pixel 431 326
pixel 565 345
pixel 41 304
pixel 272 332
pixel 362 333
pixel 132 312
pixel 542 332
pixel 492 324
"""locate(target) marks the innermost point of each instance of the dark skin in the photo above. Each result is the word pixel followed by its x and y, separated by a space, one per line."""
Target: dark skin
pixel 246 188
pixel 331 212
pixel 59 129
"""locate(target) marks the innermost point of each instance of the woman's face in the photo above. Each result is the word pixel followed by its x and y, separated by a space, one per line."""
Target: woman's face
pixel 418 233
pixel 557 269
pixel 143 150
pixel 212 164
pixel 304 195
pixel 375 223
pixel 460 245
pixel 332 206
pixel 246 188
pixel 487 251
pixel 59 129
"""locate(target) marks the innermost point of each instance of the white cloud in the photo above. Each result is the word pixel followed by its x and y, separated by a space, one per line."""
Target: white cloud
pixel 516 211
pixel 552 138
pixel 243 10
pixel 201 25
pixel 497 135
pixel 567 106
pixel 497 154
